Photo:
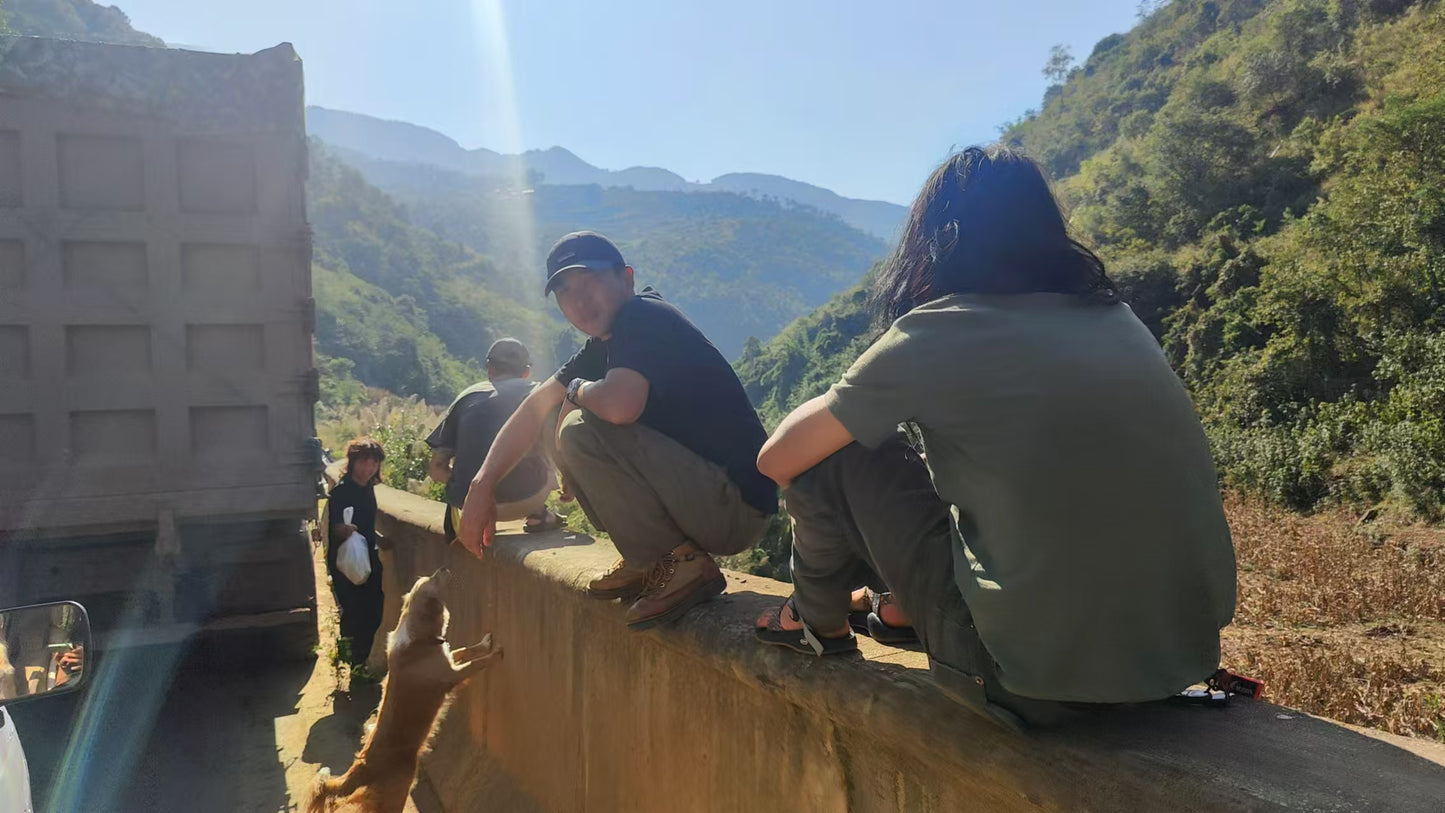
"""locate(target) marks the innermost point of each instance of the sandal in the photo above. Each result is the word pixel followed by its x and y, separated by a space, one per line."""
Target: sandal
pixel 871 623
pixel 546 521
pixel 858 619
pixel 883 632
pixel 804 640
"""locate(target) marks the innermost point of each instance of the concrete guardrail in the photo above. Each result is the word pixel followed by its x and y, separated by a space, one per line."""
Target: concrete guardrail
pixel 583 715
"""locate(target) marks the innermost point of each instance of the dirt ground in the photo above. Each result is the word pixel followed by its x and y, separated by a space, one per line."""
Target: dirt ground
pixel 223 737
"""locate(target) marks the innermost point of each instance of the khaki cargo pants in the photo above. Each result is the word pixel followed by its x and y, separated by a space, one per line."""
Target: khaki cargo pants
pixel 651 493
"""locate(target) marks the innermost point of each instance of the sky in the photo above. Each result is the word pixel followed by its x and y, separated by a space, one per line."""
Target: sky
pixel 863 98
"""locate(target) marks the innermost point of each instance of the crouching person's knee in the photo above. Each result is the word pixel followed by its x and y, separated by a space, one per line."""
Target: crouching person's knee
pixel 577 438
pixel 818 484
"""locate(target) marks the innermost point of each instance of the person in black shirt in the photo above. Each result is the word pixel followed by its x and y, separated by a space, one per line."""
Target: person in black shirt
pixel 655 438
pixel 360 605
pixel 460 443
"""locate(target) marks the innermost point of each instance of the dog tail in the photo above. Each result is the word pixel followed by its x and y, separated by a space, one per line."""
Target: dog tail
pixel 323 789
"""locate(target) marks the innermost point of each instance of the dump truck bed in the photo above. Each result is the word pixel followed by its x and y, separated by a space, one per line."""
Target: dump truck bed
pixel 155 293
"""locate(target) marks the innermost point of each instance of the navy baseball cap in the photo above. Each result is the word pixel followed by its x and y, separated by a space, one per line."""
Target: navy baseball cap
pixel 581 249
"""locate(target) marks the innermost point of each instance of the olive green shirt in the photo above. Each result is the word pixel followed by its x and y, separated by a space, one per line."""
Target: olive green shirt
pixel 1091 543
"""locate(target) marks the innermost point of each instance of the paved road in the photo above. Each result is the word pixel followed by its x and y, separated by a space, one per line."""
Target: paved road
pixel 172 730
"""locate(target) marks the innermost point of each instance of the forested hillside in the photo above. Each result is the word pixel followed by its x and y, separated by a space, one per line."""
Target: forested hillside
pixel 399 307
pixel 738 266
pixel 1266 180
pixel 71 19
pixel 807 356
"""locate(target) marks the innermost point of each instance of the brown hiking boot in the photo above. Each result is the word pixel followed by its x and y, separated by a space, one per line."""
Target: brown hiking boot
pixel 619 582
pixel 682 579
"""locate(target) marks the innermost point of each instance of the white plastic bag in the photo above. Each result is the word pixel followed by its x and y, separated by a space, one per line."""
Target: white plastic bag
pixel 353 560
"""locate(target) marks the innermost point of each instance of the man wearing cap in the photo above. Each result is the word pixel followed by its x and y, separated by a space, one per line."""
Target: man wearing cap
pixel 460 442
pixel 656 439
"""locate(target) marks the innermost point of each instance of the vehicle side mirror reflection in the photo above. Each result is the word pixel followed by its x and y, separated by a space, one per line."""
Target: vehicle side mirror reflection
pixel 44 650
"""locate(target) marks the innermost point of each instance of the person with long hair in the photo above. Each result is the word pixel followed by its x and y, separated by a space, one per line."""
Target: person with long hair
pixel 1058 543
pixel 360 604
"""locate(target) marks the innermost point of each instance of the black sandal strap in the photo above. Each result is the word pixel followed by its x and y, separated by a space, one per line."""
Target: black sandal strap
pixel 809 642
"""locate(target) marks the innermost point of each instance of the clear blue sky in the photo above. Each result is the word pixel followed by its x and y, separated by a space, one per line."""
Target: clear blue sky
pixel 860 97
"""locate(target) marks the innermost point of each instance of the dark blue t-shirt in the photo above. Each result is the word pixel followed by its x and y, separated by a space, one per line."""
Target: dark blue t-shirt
pixel 694 397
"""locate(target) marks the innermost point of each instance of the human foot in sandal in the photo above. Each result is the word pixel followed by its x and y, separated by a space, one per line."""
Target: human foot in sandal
pixel 546 520
pixel 782 626
pixel 878 616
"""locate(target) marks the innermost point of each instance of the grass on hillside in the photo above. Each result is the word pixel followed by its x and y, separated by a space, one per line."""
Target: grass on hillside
pixel 1341 618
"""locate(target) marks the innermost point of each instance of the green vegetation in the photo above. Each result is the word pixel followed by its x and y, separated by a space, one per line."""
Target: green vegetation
pixel 412 313
pixel 400 425
pixel 808 356
pixel 339 387
pixel 71 19
pixel 738 266
pixel 1266 181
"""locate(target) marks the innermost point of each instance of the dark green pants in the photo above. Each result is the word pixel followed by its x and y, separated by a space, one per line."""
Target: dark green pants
pixel 863 513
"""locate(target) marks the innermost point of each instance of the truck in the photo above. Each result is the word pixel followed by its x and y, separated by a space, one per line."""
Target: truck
pixel 158 459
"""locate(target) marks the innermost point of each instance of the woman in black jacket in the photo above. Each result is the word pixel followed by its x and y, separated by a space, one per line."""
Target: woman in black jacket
pixel 360 605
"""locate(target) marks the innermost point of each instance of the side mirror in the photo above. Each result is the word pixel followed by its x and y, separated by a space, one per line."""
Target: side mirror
pixel 44 650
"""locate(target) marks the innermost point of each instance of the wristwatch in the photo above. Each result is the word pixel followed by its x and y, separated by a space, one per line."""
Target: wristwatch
pixel 574 389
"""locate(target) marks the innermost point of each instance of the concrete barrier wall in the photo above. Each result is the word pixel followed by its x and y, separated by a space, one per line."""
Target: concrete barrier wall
pixel 583 715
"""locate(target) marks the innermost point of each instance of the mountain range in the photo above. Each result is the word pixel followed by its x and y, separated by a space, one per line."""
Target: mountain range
pixel 400 142
pixel 738 266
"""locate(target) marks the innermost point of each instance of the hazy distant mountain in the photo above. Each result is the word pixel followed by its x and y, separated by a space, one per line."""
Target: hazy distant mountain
pixel 409 143
pixel 877 217
pixel 397 141
pixel 738 265
pixel 407 310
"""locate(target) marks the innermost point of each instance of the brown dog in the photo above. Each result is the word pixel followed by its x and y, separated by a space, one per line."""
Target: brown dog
pixel 421 673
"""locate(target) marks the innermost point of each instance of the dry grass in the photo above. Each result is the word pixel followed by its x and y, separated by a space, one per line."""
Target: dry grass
pixel 399 424
pixel 1341 618
pixel 337 425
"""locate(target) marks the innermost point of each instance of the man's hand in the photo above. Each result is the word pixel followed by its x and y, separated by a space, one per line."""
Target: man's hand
pixel 73 660
pixel 479 519
pixel 70 663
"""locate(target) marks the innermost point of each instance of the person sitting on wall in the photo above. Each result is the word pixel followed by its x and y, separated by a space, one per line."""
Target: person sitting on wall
pixel 655 438
pixel 461 441
pixel 1065 542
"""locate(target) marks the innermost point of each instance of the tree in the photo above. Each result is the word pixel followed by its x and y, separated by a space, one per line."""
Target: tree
pixel 1061 61
pixel 1147 7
